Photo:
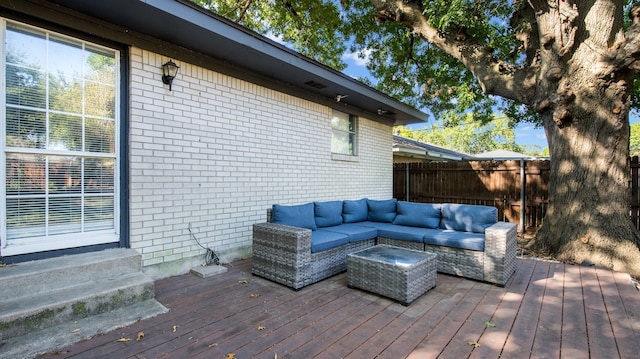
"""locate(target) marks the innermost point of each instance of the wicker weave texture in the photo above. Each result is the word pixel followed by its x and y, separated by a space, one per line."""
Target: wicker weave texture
pixel 360 245
pixel 283 254
pixel 400 243
pixel 500 247
pixel 460 262
pixel 496 264
pixel 402 283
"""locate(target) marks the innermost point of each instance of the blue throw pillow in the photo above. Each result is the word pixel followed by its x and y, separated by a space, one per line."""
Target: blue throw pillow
pixel 468 218
pixel 426 215
pixel 355 210
pixel 382 211
pixel 298 216
pixel 328 213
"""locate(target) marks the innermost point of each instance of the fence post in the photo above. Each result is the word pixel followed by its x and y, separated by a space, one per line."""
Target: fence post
pixel 523 195
pixel 406 165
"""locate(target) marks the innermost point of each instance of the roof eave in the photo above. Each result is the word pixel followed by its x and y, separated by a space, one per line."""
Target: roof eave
pixel 182 23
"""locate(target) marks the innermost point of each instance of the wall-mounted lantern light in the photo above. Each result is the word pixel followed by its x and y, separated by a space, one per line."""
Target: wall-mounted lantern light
pixel 169 72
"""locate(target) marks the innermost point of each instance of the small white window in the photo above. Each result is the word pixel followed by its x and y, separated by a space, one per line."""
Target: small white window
pixel 343 133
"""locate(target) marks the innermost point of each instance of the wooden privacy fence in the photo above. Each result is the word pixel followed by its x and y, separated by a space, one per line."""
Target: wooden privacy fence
pixel 492 183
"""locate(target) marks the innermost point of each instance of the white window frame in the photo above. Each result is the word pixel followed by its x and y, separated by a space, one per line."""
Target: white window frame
pixel 60 241
pixel 352 135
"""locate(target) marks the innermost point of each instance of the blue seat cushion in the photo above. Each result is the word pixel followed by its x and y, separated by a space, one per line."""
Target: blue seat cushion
pixel 355 231
pixel 298 216
pixel 404 233
pixel 426 215
pixel 456 239
pixel 468 218
pixel 376 225
pixel 382 211
pixel 354 210
pixel 328 214
pixel 322 240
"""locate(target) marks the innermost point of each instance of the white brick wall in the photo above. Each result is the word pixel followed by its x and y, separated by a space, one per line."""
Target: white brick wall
pixel 216 152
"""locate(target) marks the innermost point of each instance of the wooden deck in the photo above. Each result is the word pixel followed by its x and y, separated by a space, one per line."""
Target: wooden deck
pixel 547 310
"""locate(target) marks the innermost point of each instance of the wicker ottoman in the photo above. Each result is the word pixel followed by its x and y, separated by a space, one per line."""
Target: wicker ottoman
pixel 398 273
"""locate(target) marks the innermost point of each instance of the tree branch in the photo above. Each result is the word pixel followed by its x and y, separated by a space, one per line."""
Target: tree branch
pixel 243 11
pixel 567 30
pixel 495 77
pixel 626 53
pixel 523 21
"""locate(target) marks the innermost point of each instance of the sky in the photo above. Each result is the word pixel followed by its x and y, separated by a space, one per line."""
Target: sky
pixel 526 134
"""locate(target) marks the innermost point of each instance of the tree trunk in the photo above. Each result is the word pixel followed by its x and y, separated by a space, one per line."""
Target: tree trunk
pixel 578 76
pixel 587 126
pixel 588 216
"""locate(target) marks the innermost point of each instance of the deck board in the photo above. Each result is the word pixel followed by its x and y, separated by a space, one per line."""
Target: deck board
pixel 620 323
pixel 546 343
pixel 523 331
pixel 575 343
pixel 474 327
pixel 404 345
pixel 443 333
pixel 546 310
pixel 494 340
pixel 628 293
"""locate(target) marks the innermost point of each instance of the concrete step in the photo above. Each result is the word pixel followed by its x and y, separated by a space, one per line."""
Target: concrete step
pixel 39 295
pixel 32 278
pixel 51 339
pixel 22 315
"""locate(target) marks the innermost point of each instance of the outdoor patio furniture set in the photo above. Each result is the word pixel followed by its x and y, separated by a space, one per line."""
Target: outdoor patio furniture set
pixel 303 244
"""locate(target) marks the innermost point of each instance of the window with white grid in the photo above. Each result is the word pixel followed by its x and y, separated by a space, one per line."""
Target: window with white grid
pixel 60 138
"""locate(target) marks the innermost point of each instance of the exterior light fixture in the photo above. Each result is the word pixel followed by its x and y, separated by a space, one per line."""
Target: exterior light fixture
pixel 339 97
pixel 169 72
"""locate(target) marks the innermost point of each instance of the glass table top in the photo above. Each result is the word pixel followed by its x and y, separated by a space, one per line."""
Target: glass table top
pixel 393 255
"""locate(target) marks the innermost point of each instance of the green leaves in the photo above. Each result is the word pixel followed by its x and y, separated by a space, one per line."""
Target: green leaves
pixel 634 140
pixel 468 134
pixel 401 64
pixel 311 27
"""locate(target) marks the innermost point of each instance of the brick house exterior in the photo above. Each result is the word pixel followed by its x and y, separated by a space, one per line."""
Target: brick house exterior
pixel 207 158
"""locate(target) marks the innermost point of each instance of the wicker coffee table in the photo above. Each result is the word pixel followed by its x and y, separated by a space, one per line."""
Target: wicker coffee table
pixel 398 273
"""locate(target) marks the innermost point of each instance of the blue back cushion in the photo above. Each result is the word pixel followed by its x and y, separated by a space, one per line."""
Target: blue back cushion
pixel 468 218
pixel 355 210
pixel 426 215
pixel 328 213
pixel 298 216
pixel 382 211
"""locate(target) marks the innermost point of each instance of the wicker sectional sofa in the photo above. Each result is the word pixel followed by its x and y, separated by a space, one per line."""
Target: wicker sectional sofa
pixel 303 244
